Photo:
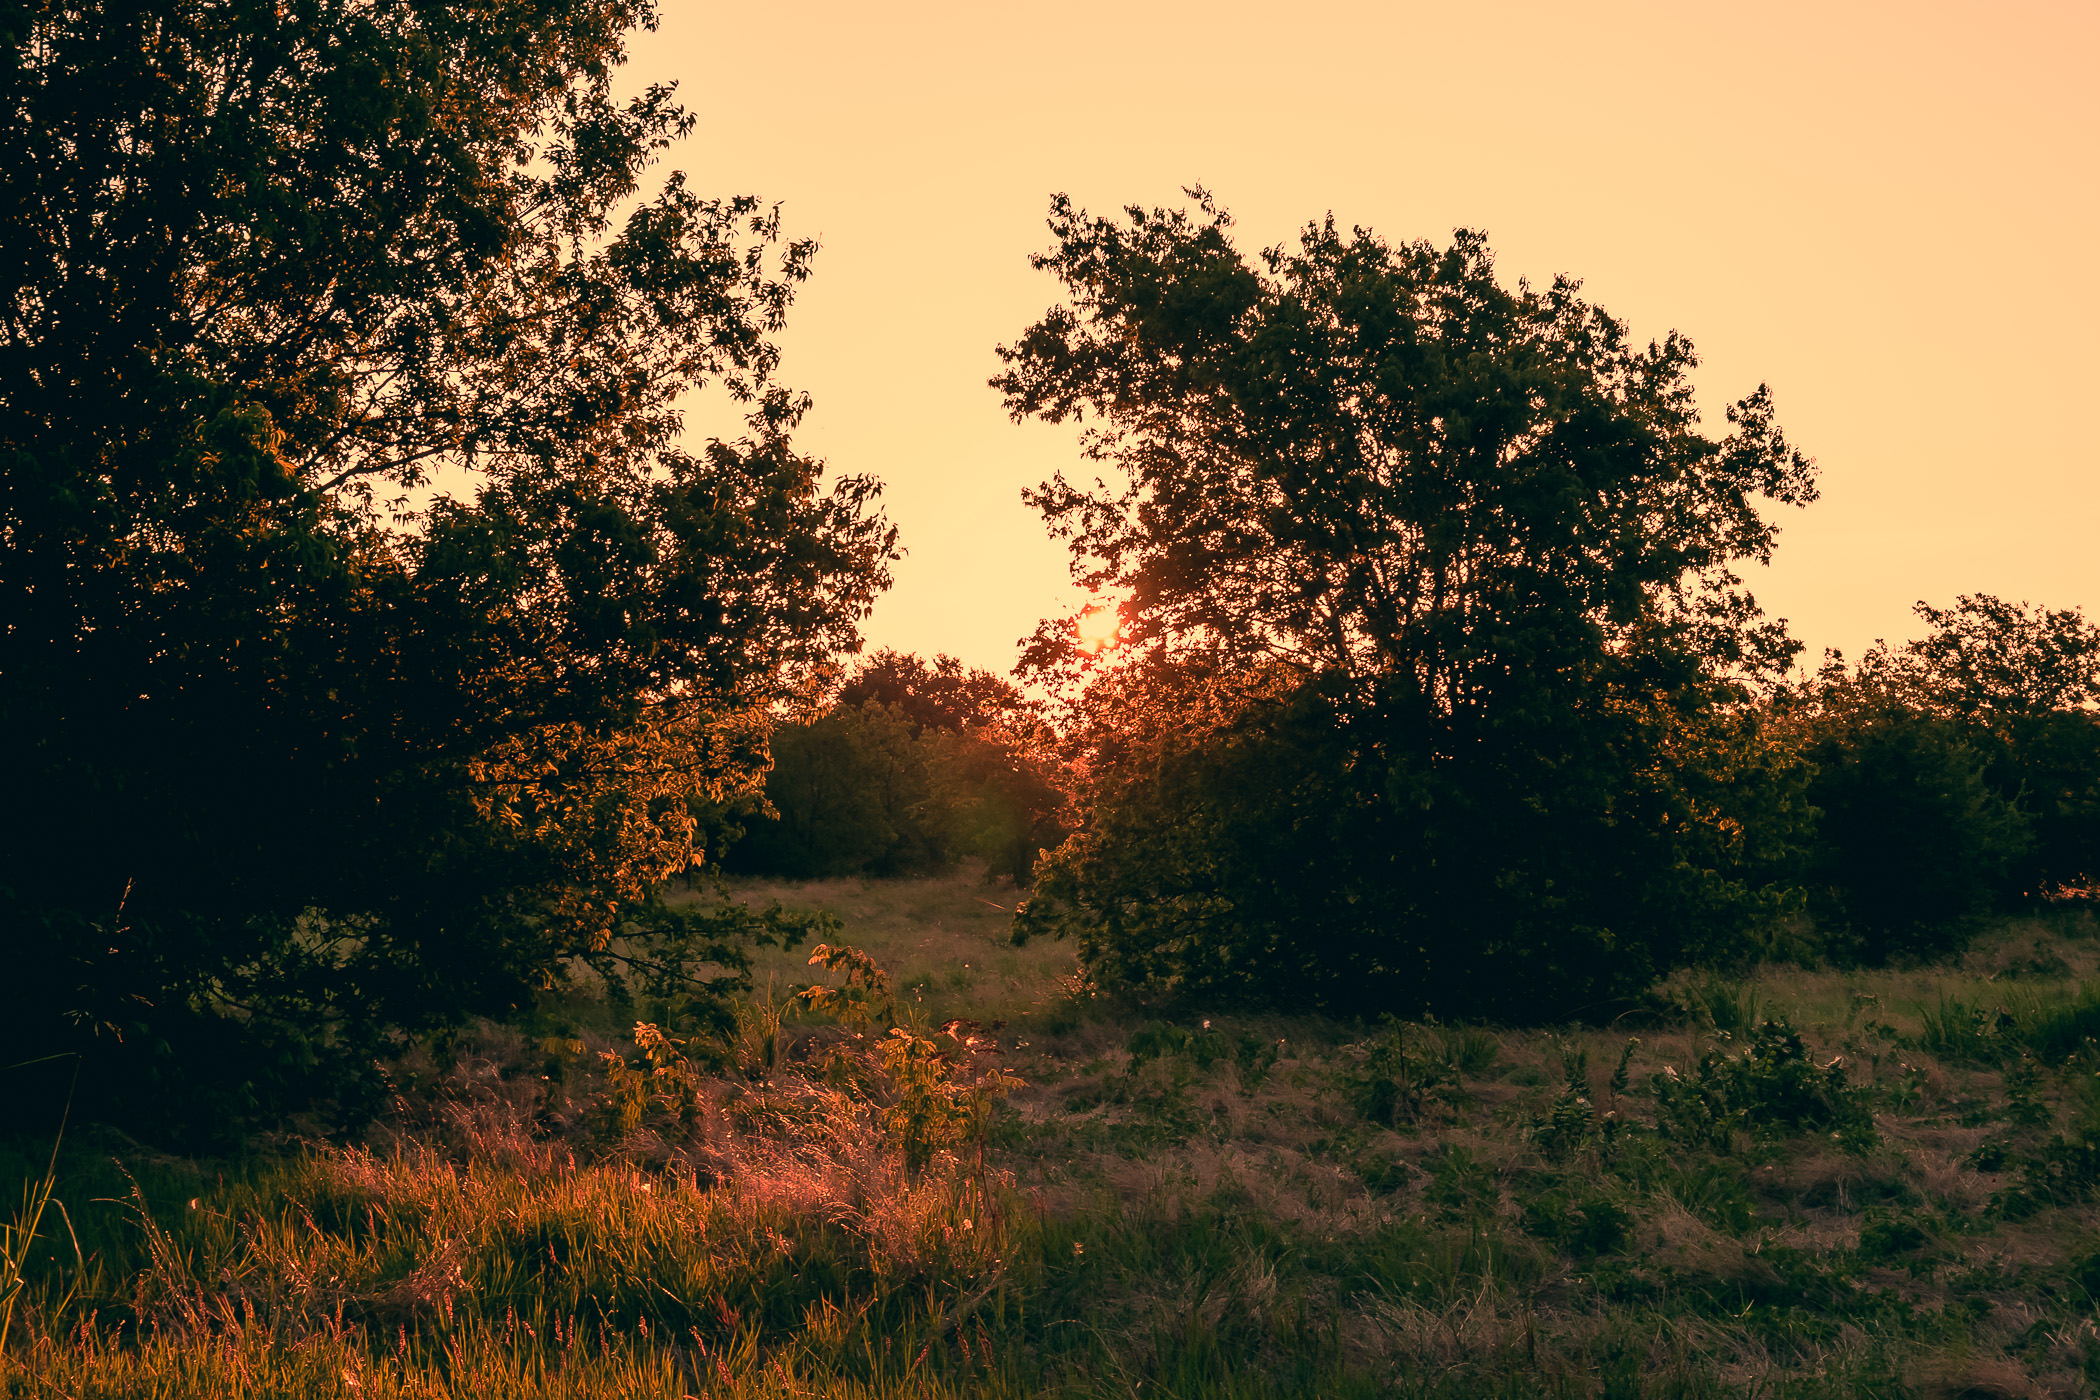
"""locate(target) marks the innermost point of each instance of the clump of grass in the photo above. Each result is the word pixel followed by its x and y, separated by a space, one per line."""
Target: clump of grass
pixel 2050 1024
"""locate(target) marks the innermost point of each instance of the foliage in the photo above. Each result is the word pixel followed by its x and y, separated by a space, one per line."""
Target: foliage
pixel 852 791
pixel 1203 1047
pixel 938 694
pixel 1956 775
pixel 1398 1083
pixel 938 1098
pixel 1772 1084
pixel 657 1078
pixel 1913 845
pixel 368 629
pixel 909 766
pixel 2013 1025
pixel 1719 1004
pixel 854 1003
pixel 1572 1121
pixel 1432 686
pixel 932 1096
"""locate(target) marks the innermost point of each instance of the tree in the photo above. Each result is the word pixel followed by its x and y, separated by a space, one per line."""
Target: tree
pixel 909 766
pixel 1956 774
pixel 851 792
pixel 1451 566
pixel 937 694
pixel 367 624
pixel 1913 845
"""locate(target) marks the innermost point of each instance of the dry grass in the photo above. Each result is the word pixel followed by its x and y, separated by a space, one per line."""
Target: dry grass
pixel 1217 1220
pixel 943 938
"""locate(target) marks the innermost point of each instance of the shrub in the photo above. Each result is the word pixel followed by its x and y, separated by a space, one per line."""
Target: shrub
pixel 1913 845
pixel 931 1096
pixel 1771 1085
pixel 1584 1225
pixel 1295 859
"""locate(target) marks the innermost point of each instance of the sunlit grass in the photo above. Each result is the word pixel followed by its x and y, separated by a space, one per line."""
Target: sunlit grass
pixel 945 940
pixel 1201 1209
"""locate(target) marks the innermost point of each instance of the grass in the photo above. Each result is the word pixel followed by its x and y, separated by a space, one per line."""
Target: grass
pixel 943 939
pixel 1802 1183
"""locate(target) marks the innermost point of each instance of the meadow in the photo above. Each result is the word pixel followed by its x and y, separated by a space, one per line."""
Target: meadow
pixel 1793 1183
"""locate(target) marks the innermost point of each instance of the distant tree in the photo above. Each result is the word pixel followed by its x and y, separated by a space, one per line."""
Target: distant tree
pixel 1956 774
pixel 937 694
pixel 293 760
pixel 1443 572
pixel 2006 661
pixel 911 766
pixel 1913 844
pixel 851 792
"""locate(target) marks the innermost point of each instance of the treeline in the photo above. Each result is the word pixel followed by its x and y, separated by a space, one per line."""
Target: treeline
pixel 1887 807
pixel 903 767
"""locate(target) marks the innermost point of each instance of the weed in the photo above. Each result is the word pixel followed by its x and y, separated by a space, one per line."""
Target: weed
pixel 655 1080
pixel 1468 1050
pixel 1728 1008
pixel 1584 1226
pixel 1398 1082
pixel 1771 1085
pixel 1973 1034
pixel 2023 1097
pixel 1203 1048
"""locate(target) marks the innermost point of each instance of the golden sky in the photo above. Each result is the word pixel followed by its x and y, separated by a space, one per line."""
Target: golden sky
pixel 1889 212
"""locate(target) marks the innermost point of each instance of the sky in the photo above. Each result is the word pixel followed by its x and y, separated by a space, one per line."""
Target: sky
pixel 1889 213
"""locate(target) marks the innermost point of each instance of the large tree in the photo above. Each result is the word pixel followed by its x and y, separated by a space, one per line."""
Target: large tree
pixel 1435 672
pixel 368 626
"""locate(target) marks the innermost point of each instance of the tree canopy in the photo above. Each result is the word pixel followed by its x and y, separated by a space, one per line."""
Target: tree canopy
pixel 1454 565
pixel 369 619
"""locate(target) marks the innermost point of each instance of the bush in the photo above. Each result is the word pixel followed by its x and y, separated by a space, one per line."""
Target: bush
pixel 1913 845
pixel 1399 1083
pixel 1770 1086
pixel 1293 858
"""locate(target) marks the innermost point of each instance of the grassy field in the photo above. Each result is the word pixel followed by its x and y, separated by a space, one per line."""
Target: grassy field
pixel 943 940
pixel 1804 1183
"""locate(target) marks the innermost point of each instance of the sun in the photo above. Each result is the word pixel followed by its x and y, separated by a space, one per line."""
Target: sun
pixel 1099 626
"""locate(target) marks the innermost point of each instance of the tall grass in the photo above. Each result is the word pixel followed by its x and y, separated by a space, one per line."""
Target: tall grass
pixel 1211 1212
pixel 2052 1024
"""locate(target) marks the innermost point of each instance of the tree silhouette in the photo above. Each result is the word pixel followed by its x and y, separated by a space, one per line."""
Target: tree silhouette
pixel 1440 576
pixel 367 622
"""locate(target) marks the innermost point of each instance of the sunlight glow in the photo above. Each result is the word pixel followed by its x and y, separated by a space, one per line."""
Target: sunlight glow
pixel 1099 627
